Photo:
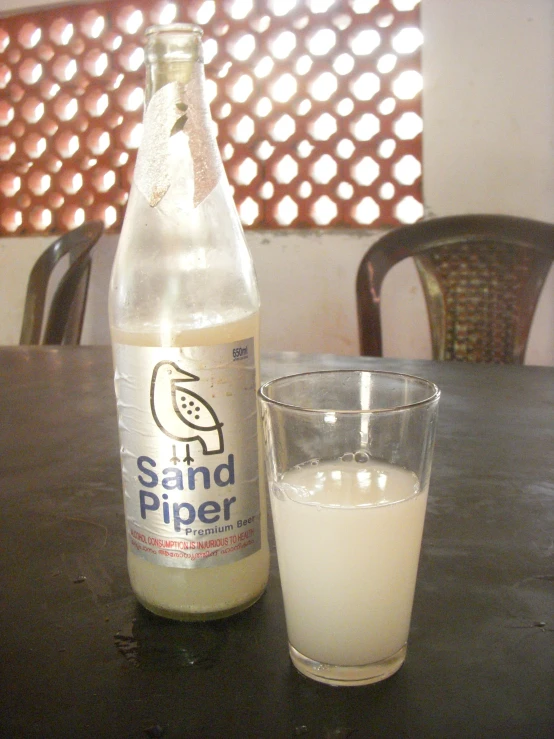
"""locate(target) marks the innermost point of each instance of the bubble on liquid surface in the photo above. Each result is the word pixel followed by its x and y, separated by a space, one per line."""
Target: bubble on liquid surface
pixel 361 457
pixel 348 457
pixel 277 490
pixel 284 491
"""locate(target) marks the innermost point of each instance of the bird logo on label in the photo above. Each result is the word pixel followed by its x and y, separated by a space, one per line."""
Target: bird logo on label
pixel 181 413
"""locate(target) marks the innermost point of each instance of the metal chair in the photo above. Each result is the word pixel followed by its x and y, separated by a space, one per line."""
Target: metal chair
pixel 64 322
pixel 481 276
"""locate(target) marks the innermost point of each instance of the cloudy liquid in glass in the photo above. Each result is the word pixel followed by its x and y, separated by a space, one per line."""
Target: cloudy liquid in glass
pixel 348 541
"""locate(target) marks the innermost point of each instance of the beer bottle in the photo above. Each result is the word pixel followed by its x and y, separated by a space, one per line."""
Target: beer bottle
pixel 184 318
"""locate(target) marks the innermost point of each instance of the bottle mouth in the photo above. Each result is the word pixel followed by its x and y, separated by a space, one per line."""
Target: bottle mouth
pixel 173 43
pixel 174 28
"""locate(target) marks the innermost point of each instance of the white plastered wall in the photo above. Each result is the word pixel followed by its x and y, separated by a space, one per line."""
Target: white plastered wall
pixel 488 69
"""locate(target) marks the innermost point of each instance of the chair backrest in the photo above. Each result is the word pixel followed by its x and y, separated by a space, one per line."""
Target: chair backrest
pixel 481 276
pixel 64 322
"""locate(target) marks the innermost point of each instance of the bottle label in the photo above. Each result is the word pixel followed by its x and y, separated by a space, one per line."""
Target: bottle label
pixel 188 433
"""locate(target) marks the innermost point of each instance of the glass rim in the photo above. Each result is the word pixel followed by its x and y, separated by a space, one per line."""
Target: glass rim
pixel 174 28
pixel 433 396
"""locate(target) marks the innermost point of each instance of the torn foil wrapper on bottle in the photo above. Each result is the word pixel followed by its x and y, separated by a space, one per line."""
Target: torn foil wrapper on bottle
pixel 175 151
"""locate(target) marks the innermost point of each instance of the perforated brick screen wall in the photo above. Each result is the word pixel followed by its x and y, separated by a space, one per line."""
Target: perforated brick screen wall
pixel 317 105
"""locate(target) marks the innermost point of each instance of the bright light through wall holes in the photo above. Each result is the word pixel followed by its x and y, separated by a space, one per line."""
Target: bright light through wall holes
pixel 316 107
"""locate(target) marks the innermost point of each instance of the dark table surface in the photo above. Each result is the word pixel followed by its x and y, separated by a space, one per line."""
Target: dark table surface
pixel 80 658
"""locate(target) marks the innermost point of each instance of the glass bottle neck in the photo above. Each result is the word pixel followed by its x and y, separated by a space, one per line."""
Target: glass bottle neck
pixel 171 55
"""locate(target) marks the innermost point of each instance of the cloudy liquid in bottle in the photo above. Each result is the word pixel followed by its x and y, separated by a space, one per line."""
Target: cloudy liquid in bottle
pixel 184 593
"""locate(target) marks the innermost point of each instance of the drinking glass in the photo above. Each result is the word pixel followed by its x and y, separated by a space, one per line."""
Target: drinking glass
pixel 348 459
